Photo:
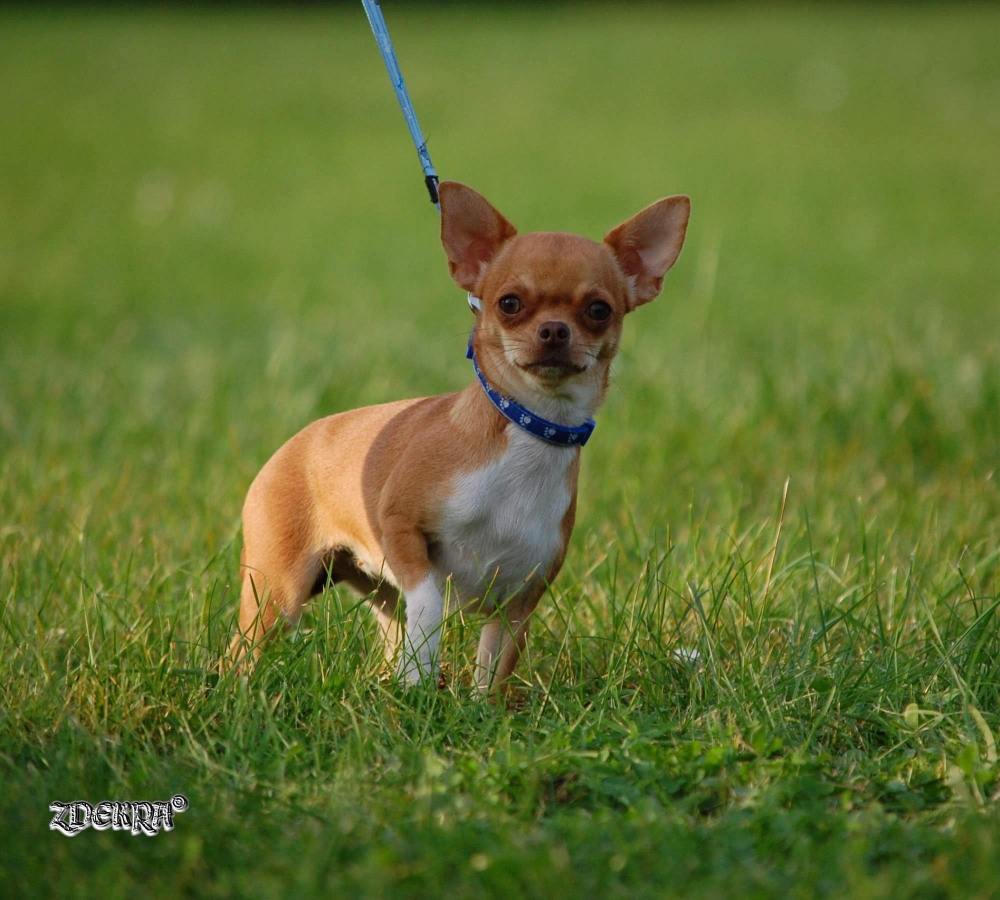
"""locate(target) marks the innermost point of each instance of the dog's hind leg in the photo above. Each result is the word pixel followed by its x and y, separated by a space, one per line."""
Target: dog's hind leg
pixel 384 604
pixel 272 596
pixel 280 568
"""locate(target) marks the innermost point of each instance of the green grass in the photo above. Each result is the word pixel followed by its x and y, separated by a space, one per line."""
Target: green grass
pixel 212 231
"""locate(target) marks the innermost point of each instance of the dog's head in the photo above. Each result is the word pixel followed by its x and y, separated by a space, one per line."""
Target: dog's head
pixel 553 303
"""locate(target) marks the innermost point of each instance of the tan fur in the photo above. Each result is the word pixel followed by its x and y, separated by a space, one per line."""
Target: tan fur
pixel 366 497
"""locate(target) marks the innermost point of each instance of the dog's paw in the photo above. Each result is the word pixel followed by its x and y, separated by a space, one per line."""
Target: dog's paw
pixel 411 673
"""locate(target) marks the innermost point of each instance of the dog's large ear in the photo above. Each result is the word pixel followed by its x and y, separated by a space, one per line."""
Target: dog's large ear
pixel 472 232
pixel 648 244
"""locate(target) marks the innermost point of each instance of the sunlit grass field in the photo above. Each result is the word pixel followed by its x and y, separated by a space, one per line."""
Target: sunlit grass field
pixel 770 665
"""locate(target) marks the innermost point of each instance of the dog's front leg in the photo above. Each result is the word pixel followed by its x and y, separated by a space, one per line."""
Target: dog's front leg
pixel 424 613
pixel 500 646
pixel 406 553
pixel 503 638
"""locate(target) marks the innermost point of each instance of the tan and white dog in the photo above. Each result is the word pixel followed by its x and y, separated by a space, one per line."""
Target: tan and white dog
pixel 451 497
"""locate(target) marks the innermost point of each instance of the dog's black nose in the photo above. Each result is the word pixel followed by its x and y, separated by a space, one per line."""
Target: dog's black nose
pixel 553 334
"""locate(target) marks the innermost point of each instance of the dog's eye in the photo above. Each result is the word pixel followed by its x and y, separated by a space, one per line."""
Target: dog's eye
pixel 510 305
pixel 599 311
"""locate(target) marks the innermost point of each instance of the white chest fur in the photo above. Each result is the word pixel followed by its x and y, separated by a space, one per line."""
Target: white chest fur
pixel 502 523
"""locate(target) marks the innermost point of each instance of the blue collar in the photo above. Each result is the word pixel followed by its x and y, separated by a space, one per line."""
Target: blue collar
pixel 542 429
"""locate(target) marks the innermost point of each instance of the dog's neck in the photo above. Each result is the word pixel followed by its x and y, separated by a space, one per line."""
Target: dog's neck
pixel 571 403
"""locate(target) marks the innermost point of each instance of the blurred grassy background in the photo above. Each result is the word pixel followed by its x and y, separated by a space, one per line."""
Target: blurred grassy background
pixel 213 230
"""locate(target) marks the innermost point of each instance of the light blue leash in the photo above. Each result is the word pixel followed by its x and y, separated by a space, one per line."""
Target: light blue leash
pixel 377 22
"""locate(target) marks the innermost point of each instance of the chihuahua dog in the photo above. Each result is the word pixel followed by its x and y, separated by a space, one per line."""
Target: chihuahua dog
pixel 465 500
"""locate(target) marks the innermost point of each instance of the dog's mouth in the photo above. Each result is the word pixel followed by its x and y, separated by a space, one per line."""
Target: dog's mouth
pixel 553 364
